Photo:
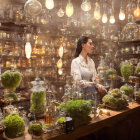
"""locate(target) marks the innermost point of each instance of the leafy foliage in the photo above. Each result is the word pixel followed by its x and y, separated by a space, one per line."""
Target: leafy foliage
pixel 111 73
pixel 11 80
pixel 137 69
pixel 36 129
pixel 61 120
pixel 14 126
pixel 38 101
pixel 137 94
pixel 115 100
pixel 11 95
pixel 79 110
pixel 128 90
pixel 126 71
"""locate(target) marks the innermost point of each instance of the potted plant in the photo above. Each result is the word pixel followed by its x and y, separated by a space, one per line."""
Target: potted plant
pixel 11 95
pixel 127 89
pixel 78 110
pixel 35 129
pixel 15 126
pixel 137 96
pixel 115 100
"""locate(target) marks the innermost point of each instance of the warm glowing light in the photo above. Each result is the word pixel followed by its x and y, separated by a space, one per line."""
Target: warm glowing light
pixel 69 9
pixel 122 15
pixel 112 19
pixel 104 18
pixel 60 13
pixel 137 12
pixel 60 52
pixel 49 4
pixel 59 64
pixel 97 14
pixel 28 50
pixel 86 6
pixel 60 71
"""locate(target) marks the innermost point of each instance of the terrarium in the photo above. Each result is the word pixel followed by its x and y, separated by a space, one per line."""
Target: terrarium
pixel 38 97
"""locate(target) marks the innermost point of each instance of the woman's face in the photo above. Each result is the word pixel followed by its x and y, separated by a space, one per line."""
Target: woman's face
pixel 88 47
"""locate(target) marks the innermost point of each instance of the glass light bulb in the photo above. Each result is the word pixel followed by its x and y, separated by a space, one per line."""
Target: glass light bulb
pixel 137 12
pixel 97 14
pixel 60 51
pixel 121 15
pixel 86 6
pixel 49 4
pixel 59 64
pixel 104 18
pixel 28 50
pixel 60 13
pixel 60 71
pixel 69 9
pixel 112 19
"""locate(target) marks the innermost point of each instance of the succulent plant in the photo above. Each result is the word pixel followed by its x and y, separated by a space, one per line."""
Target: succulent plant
pixel 14 126
pixel 11 95
pixel 127 90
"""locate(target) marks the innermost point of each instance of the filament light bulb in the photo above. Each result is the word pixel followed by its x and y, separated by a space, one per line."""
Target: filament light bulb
pixel 112 19
pixel 122 15
pixel 49 4
pixel 60 52
pixel 28 50
pixel 104 18
pixel 97 14
pixel 86 6
pixel 69 9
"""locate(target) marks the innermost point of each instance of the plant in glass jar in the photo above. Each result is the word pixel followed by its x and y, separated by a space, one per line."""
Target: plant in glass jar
pixel 38 97
pixel 138 69
pixel 14 126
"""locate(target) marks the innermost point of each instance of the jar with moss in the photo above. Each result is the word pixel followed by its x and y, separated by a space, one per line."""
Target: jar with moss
pixel 38 97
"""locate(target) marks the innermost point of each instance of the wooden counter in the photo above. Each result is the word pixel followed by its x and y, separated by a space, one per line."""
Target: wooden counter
pixel 119 125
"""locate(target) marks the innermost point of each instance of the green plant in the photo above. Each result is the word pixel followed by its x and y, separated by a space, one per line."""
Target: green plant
pixel 11 80
pixel 138 69
pixel 35 129
pixel 128 90
pixel 115 100
pixel 79 110
pixel 126 71
pixel 11 95
pixel 14 126
pixel 111 73
pixel 137 95
pixel 38 102
pixel 61 120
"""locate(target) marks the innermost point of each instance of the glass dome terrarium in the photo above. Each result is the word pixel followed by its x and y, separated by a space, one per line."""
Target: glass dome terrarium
pixel 38 97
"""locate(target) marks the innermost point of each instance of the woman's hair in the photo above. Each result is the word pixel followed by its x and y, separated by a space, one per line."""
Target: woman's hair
pixel 82 40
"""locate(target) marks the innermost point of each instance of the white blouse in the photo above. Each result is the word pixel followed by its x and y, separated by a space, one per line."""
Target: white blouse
pixel 82 72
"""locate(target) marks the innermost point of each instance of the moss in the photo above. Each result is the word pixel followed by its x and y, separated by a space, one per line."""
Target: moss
pixel 14 126
pixel 79 110
pixel 126 71
pixel 128 90
pixel 11 80
pixel 137 69
pixel 36 129
pixel 11 95
pixel 115 100
pixel 111 73
pixel 61 120
pixel 38 102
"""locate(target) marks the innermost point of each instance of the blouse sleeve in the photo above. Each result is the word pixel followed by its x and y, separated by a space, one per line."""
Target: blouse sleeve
pixel 94 72
pixel 75 72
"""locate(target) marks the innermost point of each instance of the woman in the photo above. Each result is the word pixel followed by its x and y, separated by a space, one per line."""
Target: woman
pixel 83 67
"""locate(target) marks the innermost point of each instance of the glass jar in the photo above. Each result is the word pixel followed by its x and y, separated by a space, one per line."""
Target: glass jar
pixel 38 97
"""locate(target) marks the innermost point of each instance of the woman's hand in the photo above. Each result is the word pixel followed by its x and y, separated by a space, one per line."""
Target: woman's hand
pixel 101 88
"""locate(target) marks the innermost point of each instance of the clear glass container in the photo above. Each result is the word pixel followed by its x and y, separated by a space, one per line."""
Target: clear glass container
pixel 38 97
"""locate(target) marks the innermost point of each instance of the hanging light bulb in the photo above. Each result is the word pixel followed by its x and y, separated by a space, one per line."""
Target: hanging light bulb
pixel 60 13
pixel 49 4
pixel 121 14
pixel 112 19
pixel 86 6
pixel 137 11
pixel 69 9
pixel 104 18
pixel 59 64
pixel 28 50
pixel 60 51
pixel 97 14
pixel 60 71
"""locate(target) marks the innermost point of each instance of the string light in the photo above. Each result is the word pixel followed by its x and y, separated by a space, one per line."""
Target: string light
pixel 137 11
pixel 28 50
pixel 121 14
pixel 86 6
pixel 97 14
pixel 112 19
pixel 104 18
